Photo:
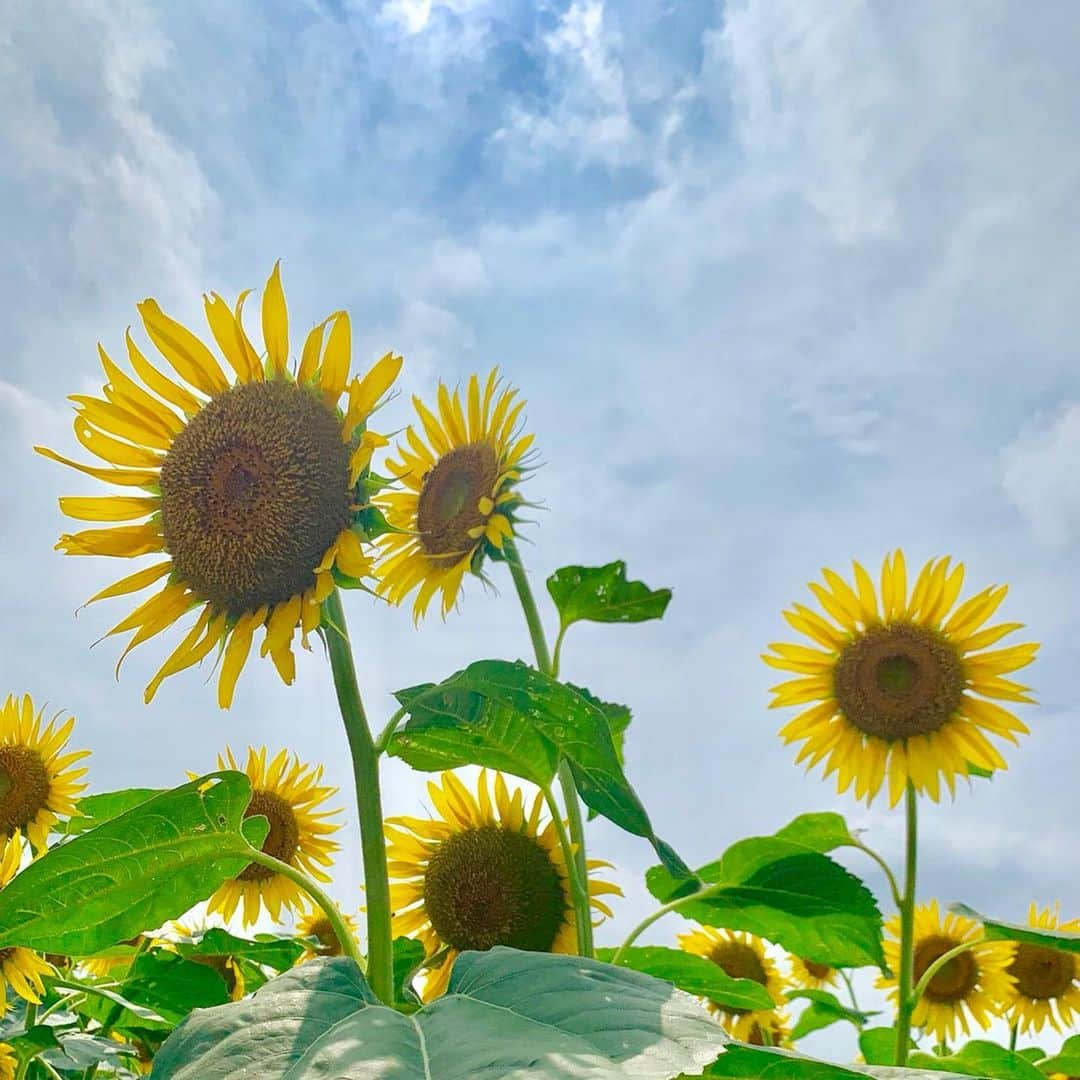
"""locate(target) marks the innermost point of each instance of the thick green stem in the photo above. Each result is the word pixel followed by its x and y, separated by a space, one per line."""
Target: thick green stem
pixel 1012 1037
pixel 575 855
pixel 907 931
pixel 898 900
pixel 584 939
pixel 380 960
pixel 927 976
pixel 659 913
pixel 387 733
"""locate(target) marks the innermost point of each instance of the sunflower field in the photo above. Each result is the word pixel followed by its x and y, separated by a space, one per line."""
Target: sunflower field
pixel 257 478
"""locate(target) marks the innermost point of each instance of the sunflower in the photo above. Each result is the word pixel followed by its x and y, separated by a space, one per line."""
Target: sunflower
pixel 968 986
pixel 460 493
pixel 20 968
pixel 38 781
pixel 101 967
pixel 1046 982
pixel 812 975
pixel 251 488
pixel 741 956
pixel 771 1030
pixel 484 874
pixel 9 1063
pixel 893 683
pixel 313 923
pixel 288 794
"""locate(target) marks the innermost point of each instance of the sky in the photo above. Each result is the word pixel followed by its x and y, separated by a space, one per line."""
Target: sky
pixel 784 285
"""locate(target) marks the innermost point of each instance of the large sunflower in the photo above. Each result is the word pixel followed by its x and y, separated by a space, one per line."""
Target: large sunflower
pixel 250 487
pixel 313 923
pixel 288 794
pixel 893 683
pixel 38 781
pixel 484 873
pixel 460 493
pixel 1046 982
pixel 20 968
pixel 968 987
pixel 741 956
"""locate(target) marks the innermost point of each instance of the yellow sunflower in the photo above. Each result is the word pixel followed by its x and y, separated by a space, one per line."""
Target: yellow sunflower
pixel 741 956
pixel 38 781
pixel 968 987
pixel 483 874
pixel 460 493
pixel 102 966
pixel 809 974
pixel 773 1030
pixel 1046 982
pixel 20 968
pixel 250 487
pixel 894 680
pixel 313 923
pixel 9 1063
pixel 288 794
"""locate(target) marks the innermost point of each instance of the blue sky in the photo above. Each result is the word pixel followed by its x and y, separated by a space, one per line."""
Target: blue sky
pixel 784 284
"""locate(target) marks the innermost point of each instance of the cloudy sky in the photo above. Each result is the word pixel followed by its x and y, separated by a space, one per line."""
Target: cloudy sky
pixel 784 284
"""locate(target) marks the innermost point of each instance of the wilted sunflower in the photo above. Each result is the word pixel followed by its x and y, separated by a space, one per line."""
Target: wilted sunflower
pixel 893 683
pixel 460 493
pixel 313 923
pixel 812 975
pixel 20 968
pixel 1046 986
pixel 288 794
pixel 251 488
pixel 741 956
pixel 38 781
pixel 483 874
pixel 968 986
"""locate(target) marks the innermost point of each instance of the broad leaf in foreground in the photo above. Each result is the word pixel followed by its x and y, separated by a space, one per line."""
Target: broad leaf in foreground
pixel 139 869
pixel 759 1063
pixel 506 1013
pixel 94 809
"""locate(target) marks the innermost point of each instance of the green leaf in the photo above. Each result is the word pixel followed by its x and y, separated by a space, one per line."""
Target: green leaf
pixel 94 809
pixel 139 869
pixel 824 1009
pixel 789 894
pixel 878 1045
pixel 506 1013
pixel 279 953
pixel 1066 1060
pixel 821 832
pixel 408 956
pixel 172 985
pixel 1061 940
pixel 511 716
pixel 981 1058
pixel 695 975
pixel 1034 1054
pixel 618 718
pixel 602 594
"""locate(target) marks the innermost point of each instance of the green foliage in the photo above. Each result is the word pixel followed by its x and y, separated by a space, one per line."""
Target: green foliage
pixel 94 809
pixel 981 1058
pixel 602 594
pixel 1066 1060
pixel 822 832
pixel 760 1063
pixel 505 1011
pixel 279 953
pixel 878 1045
pixel 137 870
pixel 824 1009
pixel 1062 940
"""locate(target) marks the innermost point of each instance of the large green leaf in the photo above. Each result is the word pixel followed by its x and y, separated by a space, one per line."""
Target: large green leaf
pixel 760 1063
pixel 602 594
pixel 279 953
pixel 824 1009
pixel 1066 1060
pixel 694 974
pixel 172 985
pixel 139 869
pixel 823 831
pixel 788 893
pixel 1062 940
pixel 878 1045
pixel 506 1013
pixel 981 1058
pixel 513 717
pixel 94 809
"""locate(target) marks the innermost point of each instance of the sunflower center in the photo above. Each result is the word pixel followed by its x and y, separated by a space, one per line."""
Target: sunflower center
pixel 740 961
pixel 489 886
pixel 952 982
pixel 329 945
pixel 895 682
pixel 817 971
pixel 1042 974
pixel 283 838
pixel 24 787
pixel 449 502
pixel 253 492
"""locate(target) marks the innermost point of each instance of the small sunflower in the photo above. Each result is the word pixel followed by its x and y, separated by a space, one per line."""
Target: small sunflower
pixel 252 488
pixel 460 497
pixel 741 956
pixel 1046 982
pixel 483 874
pixel 812 975
pixel 773 1030
pixel 9 1063
pixel 893 683
pixel 101 967
pixel 967 987
pixel 20 968
pixel 288 794
pixel 38 781
pixel 313 923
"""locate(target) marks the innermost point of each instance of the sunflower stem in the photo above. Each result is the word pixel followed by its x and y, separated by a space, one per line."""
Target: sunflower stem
pixel 850 989
pixel 660 912
pixel 928 975
pixel 907 999
pixel 890 877
pixel 575 852
pixel 387 733
pixel 31 1020
pixel 380 966
pixel 584 941
pixel 1012 1037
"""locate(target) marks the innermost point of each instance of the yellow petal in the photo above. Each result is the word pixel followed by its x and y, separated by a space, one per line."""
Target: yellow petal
pixel 124 541
pixel 123 477
pixel 309 358
pixel 190 358
pixel 275 322
pixel 231 338
pixel 133 582
pixel 163 386
pixel 236 652
pixel 109 507
pixel 113 450
pixel 351 558
pixel 335 365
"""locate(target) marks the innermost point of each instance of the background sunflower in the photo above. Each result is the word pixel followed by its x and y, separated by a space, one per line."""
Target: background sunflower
pixel 313 923
pixel 1045 985
pixel 484 873
pixel 812 975
pixel 21 969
